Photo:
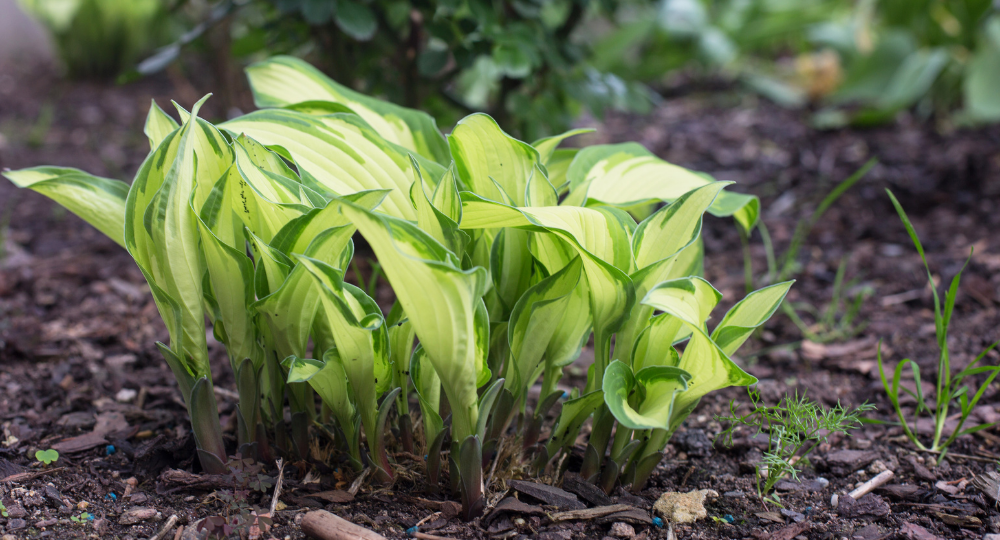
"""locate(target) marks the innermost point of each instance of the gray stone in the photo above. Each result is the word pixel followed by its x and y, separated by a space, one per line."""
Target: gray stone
pixel 622 530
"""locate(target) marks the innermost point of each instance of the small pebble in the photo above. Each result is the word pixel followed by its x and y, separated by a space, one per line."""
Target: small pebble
pixel 834 500
pixel 877 467
pixel 622 530
pixel 519 522
pixel 82 505
pixel 733 494
pixel 125 395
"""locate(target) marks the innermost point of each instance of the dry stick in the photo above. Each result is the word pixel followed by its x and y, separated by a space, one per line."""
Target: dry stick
pixel 179 533
pixel 323 525
pixel 428 518
pixel 425 536
pixel 868 486
pixel 493 469
pixel 589 513
pixel 356 485
pixel 170 524
pixel 277 487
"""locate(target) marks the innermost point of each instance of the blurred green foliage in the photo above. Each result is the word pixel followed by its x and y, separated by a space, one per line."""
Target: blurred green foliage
pixel 861 61
pixel 100 38
pixel 535 65
pixel 525 61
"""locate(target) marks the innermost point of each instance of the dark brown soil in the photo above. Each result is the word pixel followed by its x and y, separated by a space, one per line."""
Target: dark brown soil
pixel 77 329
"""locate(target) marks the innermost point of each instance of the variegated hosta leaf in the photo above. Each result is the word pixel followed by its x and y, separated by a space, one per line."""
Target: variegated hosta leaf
pixel 690 300
pixel 491 163
pixel 358 330
pixel 574 413
pixel 539 192
pixel 658 243
pixel 600 235
pixel 534 321
pixel 338 152
pixel 98 201
pixel 442 301
pixel 748 314
pixel 273 178
pixel 428 386
pixel 546 147
pixel 298 234
pixel 329 379
pixel 558 166
pixel 510 268
pixel 291 307
pixel 161 230
pixel 230 274
pixel 655 344
pixel 627 174
pixel 158 125
pixel 434 222
pixel 283 81
pixel 654 387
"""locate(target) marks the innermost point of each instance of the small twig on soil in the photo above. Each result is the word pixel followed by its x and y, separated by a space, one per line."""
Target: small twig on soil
pixel 589 513
pixel 323 525
pixel 428 518
pixel 170 524
pixel 868 486
pixel 953 456
pixel 25 476
pixel 277 487
pixel 496 459
pixel 686 476
pixel 356 484
pixel 179 533
pixel 425 536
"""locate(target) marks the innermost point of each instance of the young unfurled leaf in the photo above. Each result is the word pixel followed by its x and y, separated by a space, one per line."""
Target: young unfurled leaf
pixel 660 246
pixel 158 125
pixel 654 387
pixel 690 300
pixel 533 322
pixel 329 380
pixel 428 387
pixel 747 315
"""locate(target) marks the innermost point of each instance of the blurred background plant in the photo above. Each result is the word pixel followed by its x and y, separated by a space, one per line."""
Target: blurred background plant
pixel 859 62
pixel 101 38
pixel 537 65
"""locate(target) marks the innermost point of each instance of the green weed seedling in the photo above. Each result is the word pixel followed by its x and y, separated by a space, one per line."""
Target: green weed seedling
pixel 794 428
pixel 949 388
pixel 838 320
pixel 47 457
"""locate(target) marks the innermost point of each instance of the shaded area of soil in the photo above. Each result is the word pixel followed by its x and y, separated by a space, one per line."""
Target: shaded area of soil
pixel 77 329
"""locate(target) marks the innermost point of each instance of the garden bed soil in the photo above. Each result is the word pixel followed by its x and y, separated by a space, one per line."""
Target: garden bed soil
pixel 78 326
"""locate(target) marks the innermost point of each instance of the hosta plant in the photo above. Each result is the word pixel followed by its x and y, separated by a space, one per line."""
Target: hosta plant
pixel 505 259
